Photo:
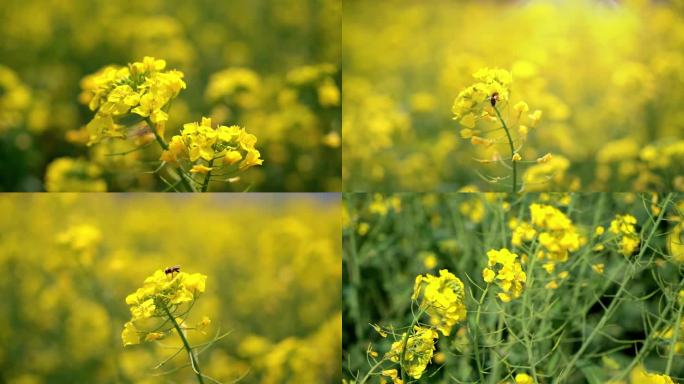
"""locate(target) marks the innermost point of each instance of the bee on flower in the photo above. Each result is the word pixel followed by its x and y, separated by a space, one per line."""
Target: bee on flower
pixel 482 102
pixel 166 296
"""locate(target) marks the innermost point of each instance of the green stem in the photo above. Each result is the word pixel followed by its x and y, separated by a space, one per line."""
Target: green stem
pixel 616 299
pixel 165 146
pixel 675 336
pixel 474 335
pixel 205 185
pixel 649 341
pixel 193 359
pixel 492 355
pixel 526 331
pixel 405 343
pixel 373 368
pixel 510 143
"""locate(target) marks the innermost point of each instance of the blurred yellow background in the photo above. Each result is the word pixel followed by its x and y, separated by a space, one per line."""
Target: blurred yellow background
pixel 269 66
pixel 607 75
pixel 68 261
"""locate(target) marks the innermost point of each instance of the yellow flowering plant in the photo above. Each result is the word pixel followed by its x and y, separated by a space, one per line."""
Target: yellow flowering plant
pixel 482 103
pixel 609 96
pixel 527 261
pixel 161 306
pixel 125 97
pixel 442 298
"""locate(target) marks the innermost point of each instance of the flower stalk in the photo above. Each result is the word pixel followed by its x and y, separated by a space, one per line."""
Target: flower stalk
pixel 191 354
pixel 510 143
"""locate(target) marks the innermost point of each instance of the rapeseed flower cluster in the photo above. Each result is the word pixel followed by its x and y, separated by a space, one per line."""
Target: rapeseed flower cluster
pixel 504 269
pixel 555 231
pixel 161 296
pixel 621 97
pixel 209 148
pixel 123 95
pixel 623 227
pixel 475 102
pixel 442 298
pixel 479 102
pixel 417 352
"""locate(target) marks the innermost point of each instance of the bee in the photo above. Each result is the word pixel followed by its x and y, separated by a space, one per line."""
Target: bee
pixel 494 98
pixel 171 270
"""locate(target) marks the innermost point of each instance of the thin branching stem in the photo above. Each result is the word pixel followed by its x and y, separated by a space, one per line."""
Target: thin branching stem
pixel 205 185
pixel 510 143
pixel 370 373
pixel 165 146
pixel 673 342
pixel 616 299
pixel 193 360
pixel 405 344
pixel 475 335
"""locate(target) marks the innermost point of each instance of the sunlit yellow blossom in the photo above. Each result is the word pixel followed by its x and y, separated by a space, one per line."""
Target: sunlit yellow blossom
pixel 443 298
pixel 557 234
pixel 160 294
pixel 130 335
pixel 218 147
pixel 472 100
pixel 392 374
pixel 419 349
pixel 522 231
pixel 117 94
pixel 505 270
pixel 624 227
pixel 641 376
pixel 523 378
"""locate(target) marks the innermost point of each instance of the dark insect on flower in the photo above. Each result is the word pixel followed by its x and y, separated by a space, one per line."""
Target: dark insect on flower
pixel 171 270
pixel 494 98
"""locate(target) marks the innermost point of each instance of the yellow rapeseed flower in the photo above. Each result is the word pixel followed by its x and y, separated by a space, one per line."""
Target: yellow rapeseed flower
pixel 419 349
pixel 505 271
pixel 443 298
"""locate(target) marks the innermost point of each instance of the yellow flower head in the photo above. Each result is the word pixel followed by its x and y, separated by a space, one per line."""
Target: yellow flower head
pixel 419 349
pixel 122 95
pixel 493 85
pixel 443 298
pixel 222 146
pixel 641 376
pixel 504 269
pixel 523 378
pixel 624 227
pixel 160 296
pixel 556 233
